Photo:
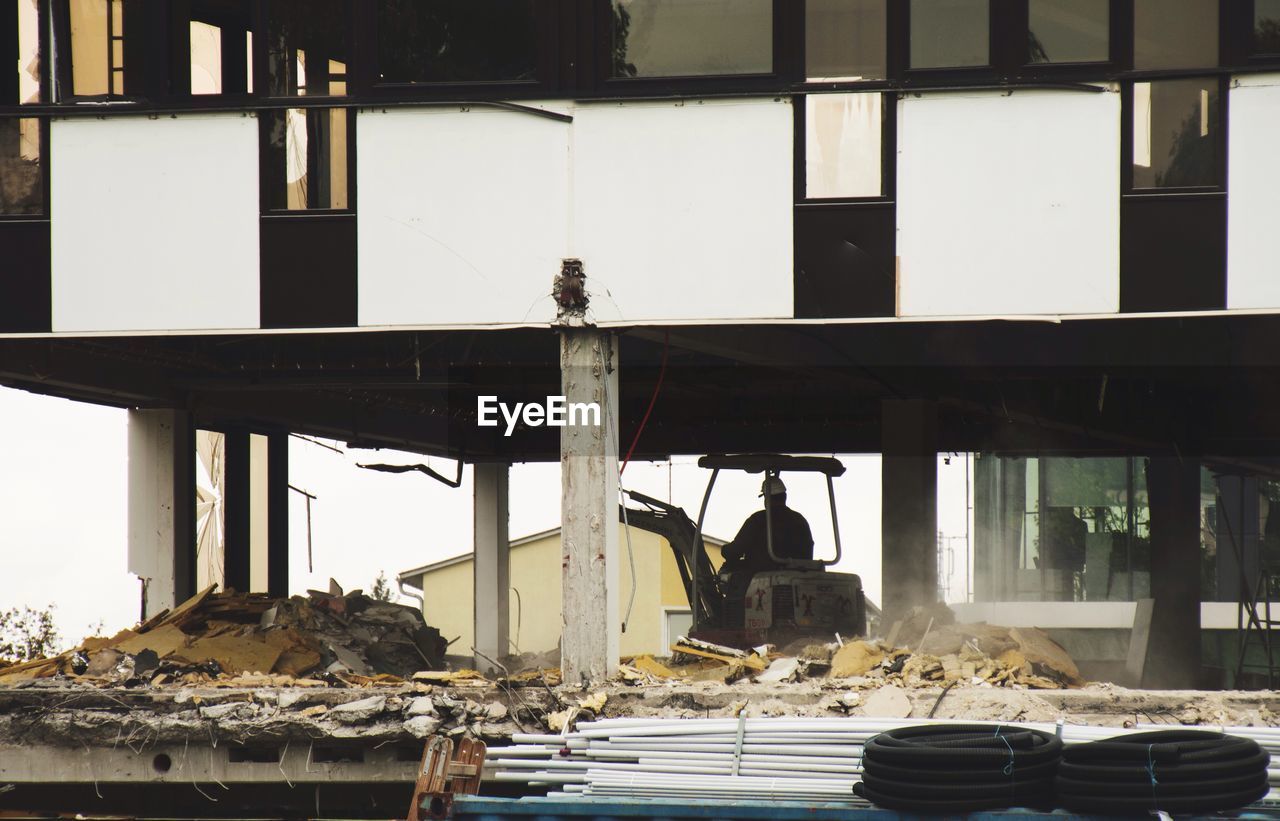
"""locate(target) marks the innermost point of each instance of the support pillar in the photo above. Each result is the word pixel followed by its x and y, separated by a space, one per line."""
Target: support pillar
pixel 162 506
pixel 589 506
pixel 236 495
pixel 278 514
pixel 1173 655
pixel 492 565
pixel 908 506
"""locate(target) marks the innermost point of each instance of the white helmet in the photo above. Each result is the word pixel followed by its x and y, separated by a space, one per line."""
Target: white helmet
pixel 772 486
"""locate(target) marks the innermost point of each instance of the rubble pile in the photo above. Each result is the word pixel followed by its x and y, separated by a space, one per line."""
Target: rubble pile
pixel 920 655
pixel 61 713
pixel 223 638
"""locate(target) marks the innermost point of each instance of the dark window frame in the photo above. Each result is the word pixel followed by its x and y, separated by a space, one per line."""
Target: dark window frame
pixel 1241 46
pixel 1119 36
pixel 364 82
pixel 179 87
pixel 788 61
pixel 1127 188
pixel 15 108
pixel 984 74
pixel 1227 24
pixel 265 164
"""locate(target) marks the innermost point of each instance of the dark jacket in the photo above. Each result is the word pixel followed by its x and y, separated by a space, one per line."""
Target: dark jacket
pixel 791 539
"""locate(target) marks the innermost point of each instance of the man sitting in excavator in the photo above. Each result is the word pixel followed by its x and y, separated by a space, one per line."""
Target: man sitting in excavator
pixel 748 553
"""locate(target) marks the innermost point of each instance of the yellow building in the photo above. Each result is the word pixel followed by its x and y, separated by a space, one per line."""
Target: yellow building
pixel 659 614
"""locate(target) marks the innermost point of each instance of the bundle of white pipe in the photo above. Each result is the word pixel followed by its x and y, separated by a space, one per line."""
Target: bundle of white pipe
pixel 798 759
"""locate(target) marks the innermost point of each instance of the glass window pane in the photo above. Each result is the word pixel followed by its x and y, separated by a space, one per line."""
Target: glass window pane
pixel 843 155
pixel 206 58
pixel 89 47
pixel 21 183
pixel 1068 31
pixel 1175 124
pixel 221 32
pixel 308 47
pixel 1175 33
pixel 306 158
pixel 689 38
pixel 950 33
pixel 456 41
pixel 845 39
pixel 28 51
pixel 1266 26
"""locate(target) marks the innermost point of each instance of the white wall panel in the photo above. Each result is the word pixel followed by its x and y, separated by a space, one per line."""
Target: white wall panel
pixel 679 211
pixel 1009 204
pixel 462 216
pixel 684 211
pixel 1253 201
pixel 155 223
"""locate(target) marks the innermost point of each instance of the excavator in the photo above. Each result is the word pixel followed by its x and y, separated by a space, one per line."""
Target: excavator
pixel 794 598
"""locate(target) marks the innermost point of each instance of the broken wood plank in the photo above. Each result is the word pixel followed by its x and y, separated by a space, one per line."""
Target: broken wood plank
pixel 752 662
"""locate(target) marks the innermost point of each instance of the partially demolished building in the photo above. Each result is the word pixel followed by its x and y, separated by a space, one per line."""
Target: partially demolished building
pixel 1035 231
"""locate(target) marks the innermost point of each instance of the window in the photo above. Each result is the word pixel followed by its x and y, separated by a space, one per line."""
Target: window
pixel 21 180
pixel 97 47
pixel 1266 26
pixel 307 159
pixel 845 40
pixel 221 47
pixel 1068 31
pixel 24 48
pixel 691 38
pixel 308 44
pixel 456 41
pixel 950 33
pixel 308 52
pixel 1175 139
pixel 1175 34
pixel 843 156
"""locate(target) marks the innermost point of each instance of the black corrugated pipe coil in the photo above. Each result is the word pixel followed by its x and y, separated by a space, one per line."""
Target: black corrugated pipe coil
pixel 1177 771
pixel 951 768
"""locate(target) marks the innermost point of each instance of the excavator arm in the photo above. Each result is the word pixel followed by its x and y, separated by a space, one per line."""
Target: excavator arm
pixel 697 574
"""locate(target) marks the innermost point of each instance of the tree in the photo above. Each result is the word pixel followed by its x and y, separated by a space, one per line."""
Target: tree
pixel 27 634
pixel 381 588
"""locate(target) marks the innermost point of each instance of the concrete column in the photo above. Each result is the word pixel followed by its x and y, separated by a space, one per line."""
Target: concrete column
pixel 1173 655
pixel 236 495
pixel 492 566
pixel 908 506
pixel 162 506
pixel 589 507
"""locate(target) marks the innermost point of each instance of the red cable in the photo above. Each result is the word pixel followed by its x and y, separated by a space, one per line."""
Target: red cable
pixel 662 372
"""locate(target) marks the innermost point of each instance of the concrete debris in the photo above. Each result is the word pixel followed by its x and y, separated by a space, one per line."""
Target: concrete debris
pixel 780 670
pixel 887 702
pixel 422 726
pixel 251 638
pixel 358 712
pixel 219 712
pixel 421 706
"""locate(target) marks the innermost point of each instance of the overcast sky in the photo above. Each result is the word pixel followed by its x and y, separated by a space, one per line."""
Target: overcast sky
pixel 63 511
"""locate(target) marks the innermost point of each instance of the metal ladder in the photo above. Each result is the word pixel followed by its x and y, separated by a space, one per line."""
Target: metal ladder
pixel 1253 623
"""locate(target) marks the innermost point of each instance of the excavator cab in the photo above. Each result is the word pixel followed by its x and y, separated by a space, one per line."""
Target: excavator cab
pixel 742 607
